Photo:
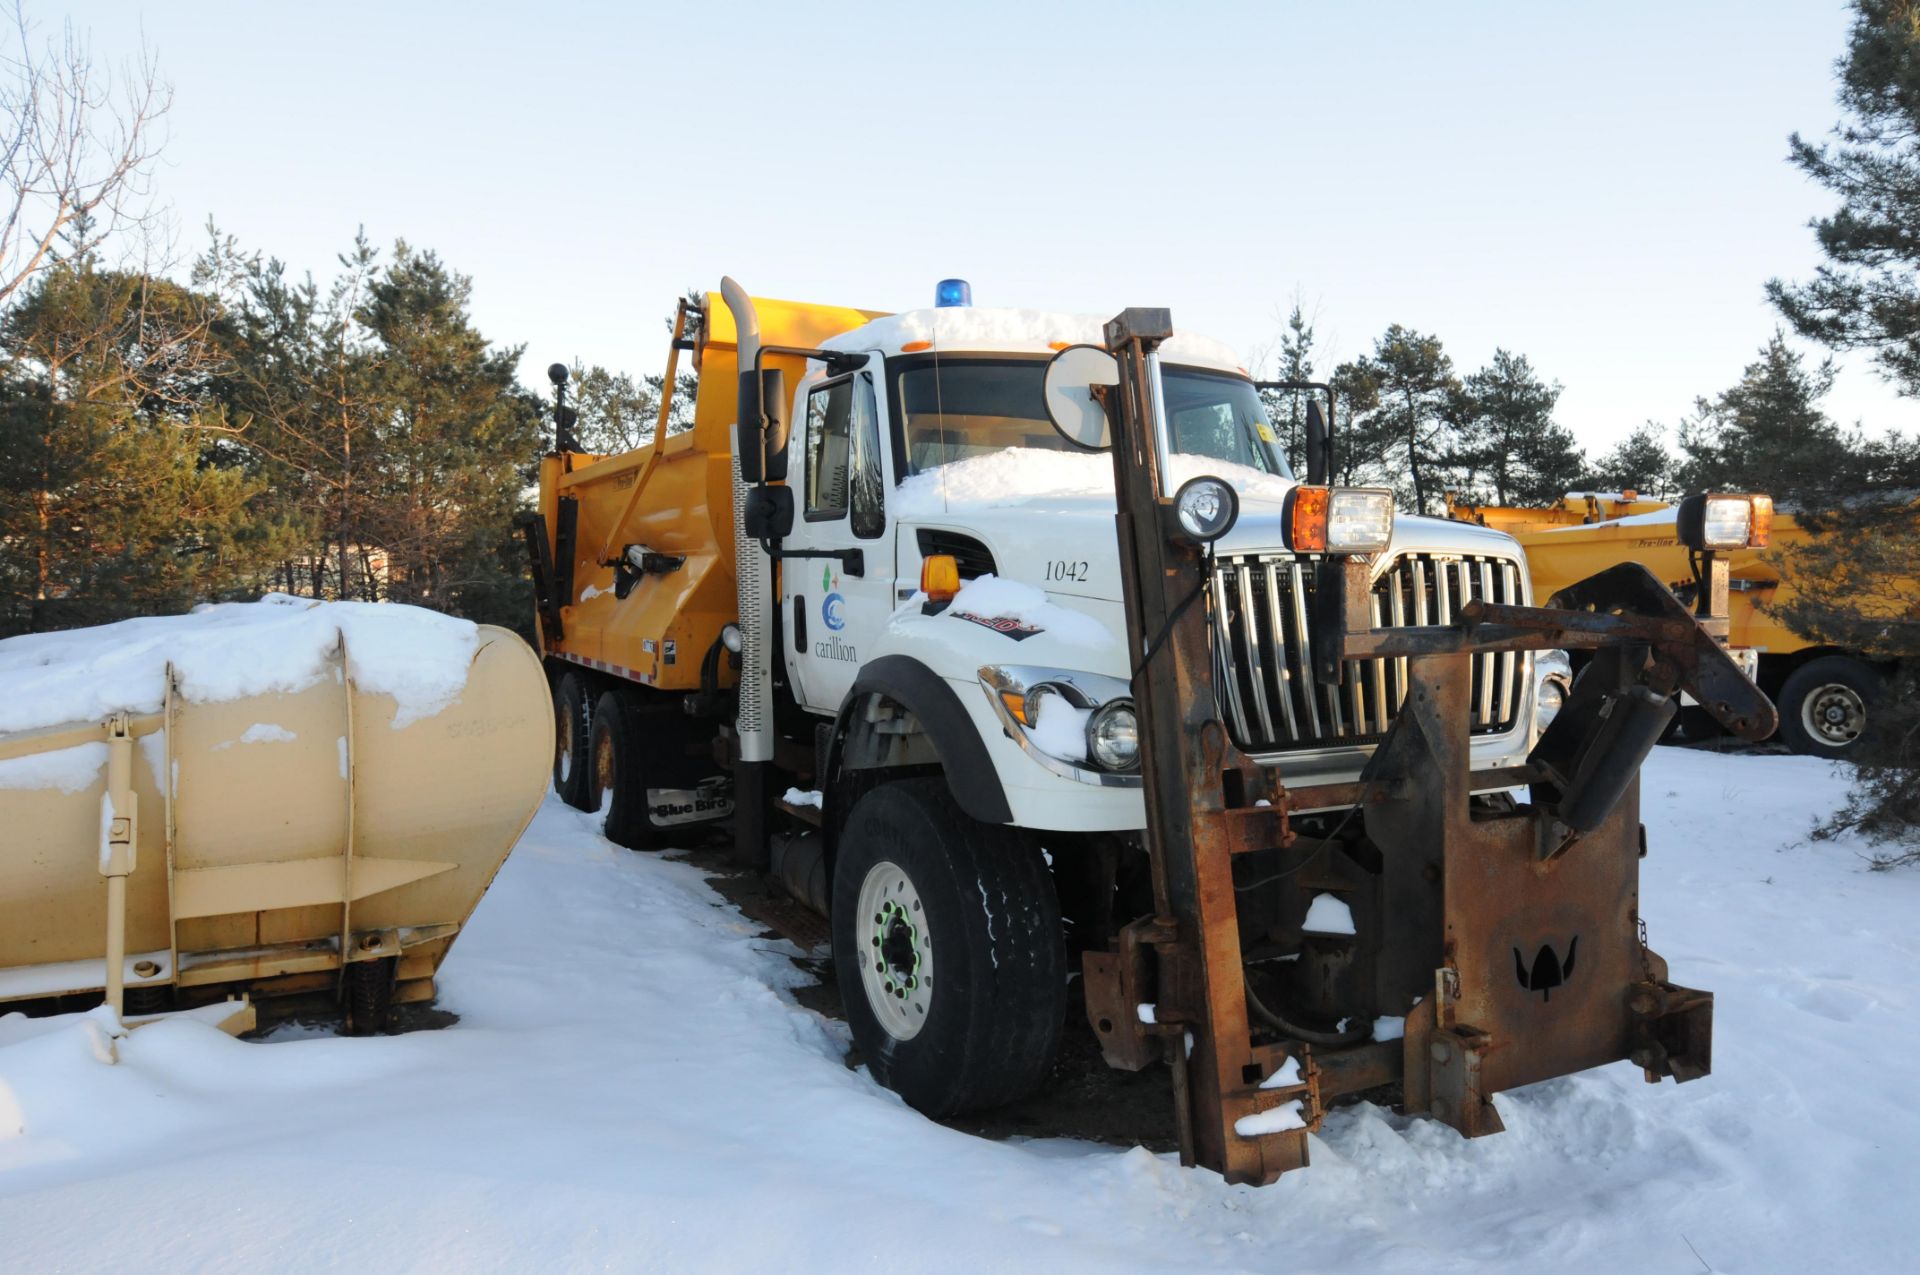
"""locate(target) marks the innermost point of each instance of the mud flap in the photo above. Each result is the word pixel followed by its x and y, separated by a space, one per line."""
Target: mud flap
pixel 673 807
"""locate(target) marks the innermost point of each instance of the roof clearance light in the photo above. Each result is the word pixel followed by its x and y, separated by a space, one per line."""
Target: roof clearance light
pixel 952 292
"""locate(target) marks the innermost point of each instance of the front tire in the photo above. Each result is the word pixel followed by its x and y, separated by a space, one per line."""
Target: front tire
pixel 948 948
pixel 1825 705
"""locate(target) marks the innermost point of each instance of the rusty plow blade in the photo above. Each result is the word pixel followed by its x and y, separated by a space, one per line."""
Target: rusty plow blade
pixel 1519 930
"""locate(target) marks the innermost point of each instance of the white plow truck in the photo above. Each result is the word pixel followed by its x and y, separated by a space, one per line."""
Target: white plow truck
pixel 932 655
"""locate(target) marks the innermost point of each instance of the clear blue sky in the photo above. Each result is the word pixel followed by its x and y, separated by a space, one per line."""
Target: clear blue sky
pixel 1600 188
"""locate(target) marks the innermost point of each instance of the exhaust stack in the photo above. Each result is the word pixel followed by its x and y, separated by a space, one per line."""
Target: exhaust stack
pixel 753 582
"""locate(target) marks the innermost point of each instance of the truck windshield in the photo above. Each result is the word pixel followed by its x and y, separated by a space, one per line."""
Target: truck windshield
pixel 969 406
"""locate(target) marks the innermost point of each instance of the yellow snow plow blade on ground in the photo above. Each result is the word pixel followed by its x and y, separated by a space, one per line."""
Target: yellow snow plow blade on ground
pixel 312 842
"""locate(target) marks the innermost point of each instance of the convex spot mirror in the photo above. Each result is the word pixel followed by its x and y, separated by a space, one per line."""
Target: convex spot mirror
pixel 762 425
pixel 768 513
pixel 1076 414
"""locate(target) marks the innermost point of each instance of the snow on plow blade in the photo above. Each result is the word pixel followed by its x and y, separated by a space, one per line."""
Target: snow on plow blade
pixel 335 829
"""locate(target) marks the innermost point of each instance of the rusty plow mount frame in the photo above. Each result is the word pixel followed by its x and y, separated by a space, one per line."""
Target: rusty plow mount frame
pixel 1509 939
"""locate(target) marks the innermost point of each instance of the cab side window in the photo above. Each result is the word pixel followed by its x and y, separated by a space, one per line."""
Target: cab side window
pixel 829 412
pixel 843 455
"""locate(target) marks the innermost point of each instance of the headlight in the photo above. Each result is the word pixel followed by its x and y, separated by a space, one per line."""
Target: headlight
pixel 1548 703
pixel 1113 736
pixel 1724 522
pixel 1359 520
pixel 1205 508
pixel 1552 676
pixel 1338 519
pixel 1078 724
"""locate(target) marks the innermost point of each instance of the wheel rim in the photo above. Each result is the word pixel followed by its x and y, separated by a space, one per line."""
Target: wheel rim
pixel 1834 714
pixel 603 762
pixel 894 950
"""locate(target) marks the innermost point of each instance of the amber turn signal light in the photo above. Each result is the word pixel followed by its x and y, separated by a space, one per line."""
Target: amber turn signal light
pixel 1762 529
pixel 940 577
pixel 1305 519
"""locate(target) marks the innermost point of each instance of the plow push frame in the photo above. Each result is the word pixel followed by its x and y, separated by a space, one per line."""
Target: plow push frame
pixel 1507 935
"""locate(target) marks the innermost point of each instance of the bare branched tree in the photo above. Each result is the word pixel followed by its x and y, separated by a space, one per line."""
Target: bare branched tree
pixel 77 146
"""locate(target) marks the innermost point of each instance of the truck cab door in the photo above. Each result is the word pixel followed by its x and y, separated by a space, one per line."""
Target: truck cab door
pixel 833 609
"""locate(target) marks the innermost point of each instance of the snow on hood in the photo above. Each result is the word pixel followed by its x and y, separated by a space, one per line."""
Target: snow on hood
pixel 994 597
pixel 232 650
pixel 957 328
pixel 1037 476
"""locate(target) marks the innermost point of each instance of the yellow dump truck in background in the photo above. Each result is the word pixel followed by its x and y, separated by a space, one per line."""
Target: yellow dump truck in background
pixel 1825 694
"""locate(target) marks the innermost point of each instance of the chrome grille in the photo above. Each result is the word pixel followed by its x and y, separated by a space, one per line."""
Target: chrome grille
pixel 1264 652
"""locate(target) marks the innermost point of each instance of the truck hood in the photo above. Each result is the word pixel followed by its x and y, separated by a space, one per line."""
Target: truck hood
pixel 1065 544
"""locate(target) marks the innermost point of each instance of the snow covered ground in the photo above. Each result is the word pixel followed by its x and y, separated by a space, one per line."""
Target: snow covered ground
pixel 631 1086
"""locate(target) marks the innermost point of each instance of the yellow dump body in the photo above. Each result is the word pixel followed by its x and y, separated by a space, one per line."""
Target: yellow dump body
pixel 1565 544
pixel 276 837
pixel 675 496
pixel 1576 509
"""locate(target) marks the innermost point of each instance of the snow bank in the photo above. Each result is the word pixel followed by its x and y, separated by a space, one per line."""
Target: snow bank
pixel 233 650
pixel 84 1084
pixel 1037 475
pixel 632 1075
pixel 989 328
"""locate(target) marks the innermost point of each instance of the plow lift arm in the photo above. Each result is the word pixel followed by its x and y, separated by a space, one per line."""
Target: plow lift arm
pixel 1508 938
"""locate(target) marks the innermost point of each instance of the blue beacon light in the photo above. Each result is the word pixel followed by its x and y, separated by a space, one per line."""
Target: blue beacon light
pixel 952 292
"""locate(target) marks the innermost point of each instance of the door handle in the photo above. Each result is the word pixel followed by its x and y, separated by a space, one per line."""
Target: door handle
pixel 852 561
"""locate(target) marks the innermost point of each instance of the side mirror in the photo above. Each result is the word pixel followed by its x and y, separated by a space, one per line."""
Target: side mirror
pixel 1319 451
pixel 762 426
pixel 768 514
pixel 1076 413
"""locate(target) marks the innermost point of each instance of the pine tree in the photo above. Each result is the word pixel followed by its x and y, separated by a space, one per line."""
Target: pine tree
pixel 617 413
pixel 461 439
pixel 1287 408
pixel 1768 434
pixel 1405 401
pixel 122 486
pixel 303 381
pixel 1509 436
pixel 1866 296
pixel 1639 462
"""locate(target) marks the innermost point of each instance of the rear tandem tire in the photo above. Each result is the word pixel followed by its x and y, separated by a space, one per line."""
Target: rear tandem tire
pixel 570 741
pixel 616 778
pixel 948 948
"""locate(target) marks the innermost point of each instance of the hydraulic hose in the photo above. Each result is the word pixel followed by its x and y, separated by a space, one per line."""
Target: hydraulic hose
pixel 1352 1036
